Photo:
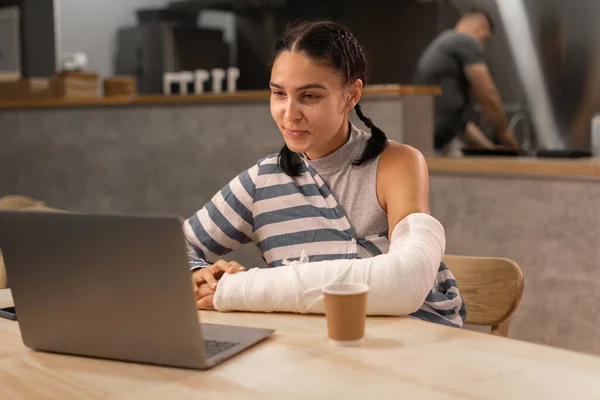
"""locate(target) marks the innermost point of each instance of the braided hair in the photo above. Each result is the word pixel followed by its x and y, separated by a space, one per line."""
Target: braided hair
pixel 334 44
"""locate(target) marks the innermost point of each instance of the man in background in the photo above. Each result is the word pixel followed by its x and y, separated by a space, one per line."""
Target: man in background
pixel 455 62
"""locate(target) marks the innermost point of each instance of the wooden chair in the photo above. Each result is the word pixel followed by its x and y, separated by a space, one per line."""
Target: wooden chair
pixel 491 289
pixel 17 202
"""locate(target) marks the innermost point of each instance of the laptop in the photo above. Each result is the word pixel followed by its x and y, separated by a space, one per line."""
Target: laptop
pixel 111 286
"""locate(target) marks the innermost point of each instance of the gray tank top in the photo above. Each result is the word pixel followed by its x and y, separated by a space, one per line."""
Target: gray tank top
pixel 354 187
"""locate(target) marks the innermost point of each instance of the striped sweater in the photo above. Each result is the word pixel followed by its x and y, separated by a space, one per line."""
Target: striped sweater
pixel 292 217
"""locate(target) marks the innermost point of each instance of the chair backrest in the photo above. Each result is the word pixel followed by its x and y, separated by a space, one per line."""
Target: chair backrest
pixel 17 202
pixel 491 289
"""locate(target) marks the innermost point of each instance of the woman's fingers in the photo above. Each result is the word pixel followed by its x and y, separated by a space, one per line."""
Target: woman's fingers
pixel 237 266
pixel 197 280
pixel 204 290
pixel 205 303
pixel 223 266
pixel 209 277
pixel 231 267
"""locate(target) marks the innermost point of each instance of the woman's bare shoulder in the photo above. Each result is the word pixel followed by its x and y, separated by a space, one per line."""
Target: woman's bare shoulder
pixel 402 158
pixel 402 182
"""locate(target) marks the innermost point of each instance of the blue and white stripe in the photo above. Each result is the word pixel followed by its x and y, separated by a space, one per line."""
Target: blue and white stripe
pixel 285 216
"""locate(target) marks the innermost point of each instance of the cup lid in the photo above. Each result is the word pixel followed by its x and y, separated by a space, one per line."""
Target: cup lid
pixel 346 288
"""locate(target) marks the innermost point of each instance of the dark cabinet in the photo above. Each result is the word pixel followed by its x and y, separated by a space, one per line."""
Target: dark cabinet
pixel 149 50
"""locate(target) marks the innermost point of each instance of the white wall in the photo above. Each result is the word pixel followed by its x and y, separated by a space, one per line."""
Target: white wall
pixel 90 26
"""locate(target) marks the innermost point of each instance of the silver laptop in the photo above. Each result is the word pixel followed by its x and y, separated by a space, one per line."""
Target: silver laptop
pixel 115 287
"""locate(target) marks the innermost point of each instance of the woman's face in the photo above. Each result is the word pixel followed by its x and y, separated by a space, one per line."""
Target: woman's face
pixel 310 104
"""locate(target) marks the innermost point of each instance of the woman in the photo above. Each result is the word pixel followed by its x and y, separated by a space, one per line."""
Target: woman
pixel 325 207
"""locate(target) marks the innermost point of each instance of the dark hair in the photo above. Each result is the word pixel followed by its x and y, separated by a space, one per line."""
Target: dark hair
pixel 480 11
pixel 336 46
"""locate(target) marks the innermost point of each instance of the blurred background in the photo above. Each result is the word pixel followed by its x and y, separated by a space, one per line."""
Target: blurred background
pixel 543 57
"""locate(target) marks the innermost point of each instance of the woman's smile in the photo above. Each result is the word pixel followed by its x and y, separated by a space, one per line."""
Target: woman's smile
pixel 295 133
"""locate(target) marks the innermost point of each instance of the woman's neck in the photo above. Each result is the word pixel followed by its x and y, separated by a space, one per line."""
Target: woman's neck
pixel 337 141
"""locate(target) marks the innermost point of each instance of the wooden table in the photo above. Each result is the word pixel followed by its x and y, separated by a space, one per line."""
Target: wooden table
pixel 401 358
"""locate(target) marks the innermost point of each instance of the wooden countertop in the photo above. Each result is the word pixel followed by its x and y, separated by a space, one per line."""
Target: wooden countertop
pixel 416 359
pixel 530 166
pixel 241 96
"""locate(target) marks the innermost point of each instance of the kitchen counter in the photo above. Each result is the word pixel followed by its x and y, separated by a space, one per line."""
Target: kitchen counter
pixel 241 96
pixel 587 168
pixel 141 153
pixel 542 213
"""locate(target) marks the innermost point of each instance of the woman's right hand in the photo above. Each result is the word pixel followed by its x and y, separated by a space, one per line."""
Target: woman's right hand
pixel 205 280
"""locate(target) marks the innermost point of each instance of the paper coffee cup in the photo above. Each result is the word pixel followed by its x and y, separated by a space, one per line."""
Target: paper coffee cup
pixel 346 312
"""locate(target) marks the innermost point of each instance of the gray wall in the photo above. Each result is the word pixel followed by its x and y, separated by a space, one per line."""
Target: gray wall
pixel 551 228
pixel 165 159
pixel 157 159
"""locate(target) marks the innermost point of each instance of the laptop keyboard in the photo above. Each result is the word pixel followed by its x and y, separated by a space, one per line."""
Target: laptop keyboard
pixel 214 347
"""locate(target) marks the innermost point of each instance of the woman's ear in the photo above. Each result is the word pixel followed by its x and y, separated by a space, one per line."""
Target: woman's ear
pixel 355 93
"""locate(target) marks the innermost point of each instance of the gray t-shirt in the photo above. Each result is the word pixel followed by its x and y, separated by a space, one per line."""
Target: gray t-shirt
pixel 442 64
